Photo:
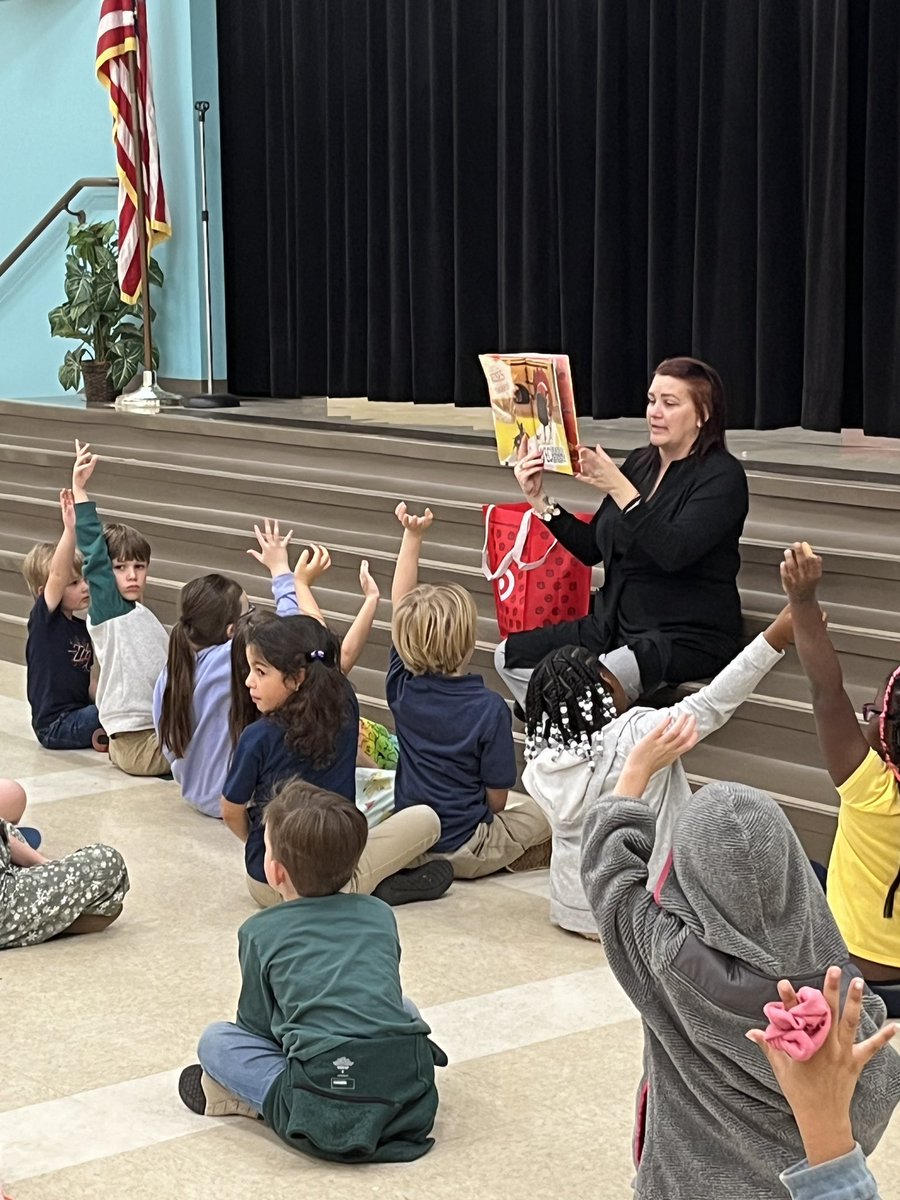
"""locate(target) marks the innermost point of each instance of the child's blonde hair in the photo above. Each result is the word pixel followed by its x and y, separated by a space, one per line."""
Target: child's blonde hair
pixel 434 628
pixel 36 565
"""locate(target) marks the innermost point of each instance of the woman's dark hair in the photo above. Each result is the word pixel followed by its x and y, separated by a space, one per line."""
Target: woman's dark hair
pixel 313 716
pixel 708 395
pixel 209 605
pixel 568 701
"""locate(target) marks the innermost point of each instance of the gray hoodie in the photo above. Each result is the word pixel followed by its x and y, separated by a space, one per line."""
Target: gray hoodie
pixel 739 910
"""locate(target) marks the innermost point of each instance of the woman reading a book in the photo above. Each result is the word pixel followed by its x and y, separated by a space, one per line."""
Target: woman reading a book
pixel 667 533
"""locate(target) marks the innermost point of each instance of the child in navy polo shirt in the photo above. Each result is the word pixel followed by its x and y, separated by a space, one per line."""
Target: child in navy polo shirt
pixel 59 653
pixel 456 744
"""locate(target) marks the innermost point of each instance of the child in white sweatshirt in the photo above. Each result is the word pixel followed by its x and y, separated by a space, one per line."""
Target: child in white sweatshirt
pixel 579 731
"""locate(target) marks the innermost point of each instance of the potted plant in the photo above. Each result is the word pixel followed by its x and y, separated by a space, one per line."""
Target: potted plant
pixel 110 331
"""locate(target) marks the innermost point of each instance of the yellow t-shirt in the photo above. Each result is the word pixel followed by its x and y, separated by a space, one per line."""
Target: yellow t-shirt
pixel 865 862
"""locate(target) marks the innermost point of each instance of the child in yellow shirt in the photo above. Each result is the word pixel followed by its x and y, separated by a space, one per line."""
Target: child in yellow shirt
pixel 864 763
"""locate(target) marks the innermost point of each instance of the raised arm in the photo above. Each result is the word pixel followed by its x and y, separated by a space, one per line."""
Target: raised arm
pixel 312 563
pixel 616 848
pixel 62 564
pixel 574 535
pixel 842 742
pixel 358 634
pixel 106 600
pixel 406 571
pixel 712 706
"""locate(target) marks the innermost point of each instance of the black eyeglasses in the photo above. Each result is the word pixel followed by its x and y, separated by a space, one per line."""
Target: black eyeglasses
pixel 870 710
pixel 251 608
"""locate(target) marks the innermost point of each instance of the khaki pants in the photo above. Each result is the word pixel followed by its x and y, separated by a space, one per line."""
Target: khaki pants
pixel 394 844
pixel 138 753
pixel 494 846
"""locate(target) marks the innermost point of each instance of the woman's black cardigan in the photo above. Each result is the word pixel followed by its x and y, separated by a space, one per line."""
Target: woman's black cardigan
pixel 671 565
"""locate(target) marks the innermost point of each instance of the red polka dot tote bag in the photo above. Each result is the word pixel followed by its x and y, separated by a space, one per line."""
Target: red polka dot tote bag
pixel 536 582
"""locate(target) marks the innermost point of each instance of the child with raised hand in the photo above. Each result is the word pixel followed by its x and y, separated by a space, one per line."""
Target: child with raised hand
pixel 579 731
pixel 293 593
pixel 455 735
pixel 59 655
pixel 864 765
pixel 739 910
pixel 129 641
pixel 820 1091
pixel 325 1047
pixel 192 696
pixel 308 729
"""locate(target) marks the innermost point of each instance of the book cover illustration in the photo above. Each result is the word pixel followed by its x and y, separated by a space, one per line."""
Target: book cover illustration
pixel 532 399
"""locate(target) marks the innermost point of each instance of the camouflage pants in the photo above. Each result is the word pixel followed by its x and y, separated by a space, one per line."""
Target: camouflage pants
pixel 36 903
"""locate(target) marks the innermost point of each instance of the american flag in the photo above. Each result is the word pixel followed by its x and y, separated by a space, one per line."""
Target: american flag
pixel 123 30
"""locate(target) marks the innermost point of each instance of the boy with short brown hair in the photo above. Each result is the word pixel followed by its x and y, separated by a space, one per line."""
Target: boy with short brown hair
pixel 59 654
pixel 131 643
pixel 325 1047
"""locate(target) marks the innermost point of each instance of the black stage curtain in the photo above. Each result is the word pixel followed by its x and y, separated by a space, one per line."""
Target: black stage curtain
pixel 409 182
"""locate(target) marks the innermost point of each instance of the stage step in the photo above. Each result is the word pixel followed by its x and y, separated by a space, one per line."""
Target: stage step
pixel 195 487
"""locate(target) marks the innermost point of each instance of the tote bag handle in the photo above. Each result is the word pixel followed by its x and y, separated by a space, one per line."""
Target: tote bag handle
pixel 514 555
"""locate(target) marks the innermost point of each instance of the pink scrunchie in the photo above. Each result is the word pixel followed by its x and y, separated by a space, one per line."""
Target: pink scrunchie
pixel 800 1031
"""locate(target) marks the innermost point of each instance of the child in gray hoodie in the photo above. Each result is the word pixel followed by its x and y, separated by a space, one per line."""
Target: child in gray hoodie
pixel 739 909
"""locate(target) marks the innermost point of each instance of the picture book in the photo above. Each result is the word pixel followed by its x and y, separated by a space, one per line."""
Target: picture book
pixel 532 400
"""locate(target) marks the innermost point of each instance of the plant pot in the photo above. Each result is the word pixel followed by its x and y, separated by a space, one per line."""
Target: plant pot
pixel 98 386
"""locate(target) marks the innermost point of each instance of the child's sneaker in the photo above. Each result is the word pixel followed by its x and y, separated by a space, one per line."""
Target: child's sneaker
pixel 535 858
pixel 202 1095
pixel 427 882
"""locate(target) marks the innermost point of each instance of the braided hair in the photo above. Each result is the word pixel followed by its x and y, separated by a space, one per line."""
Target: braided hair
pixel 889 724
pixel 567 705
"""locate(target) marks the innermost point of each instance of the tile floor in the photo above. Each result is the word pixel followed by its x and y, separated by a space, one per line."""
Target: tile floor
pixel 544 1047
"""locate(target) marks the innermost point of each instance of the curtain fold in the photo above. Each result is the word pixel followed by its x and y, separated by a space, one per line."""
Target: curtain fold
pixel 407 183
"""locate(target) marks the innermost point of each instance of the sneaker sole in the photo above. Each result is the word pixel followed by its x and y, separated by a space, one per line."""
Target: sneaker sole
pixel 190 1089
pixel 428 882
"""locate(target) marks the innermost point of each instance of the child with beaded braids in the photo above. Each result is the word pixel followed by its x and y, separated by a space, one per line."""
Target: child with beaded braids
pixel 579 731
pixel 864 764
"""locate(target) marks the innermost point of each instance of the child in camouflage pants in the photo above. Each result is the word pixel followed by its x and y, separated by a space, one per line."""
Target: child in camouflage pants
pixel 40 898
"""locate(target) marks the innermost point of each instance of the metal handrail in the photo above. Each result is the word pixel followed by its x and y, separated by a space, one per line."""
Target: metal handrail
pixel 61 206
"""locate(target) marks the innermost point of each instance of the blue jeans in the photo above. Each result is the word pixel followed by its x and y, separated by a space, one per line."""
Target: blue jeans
pixel 72 731
pixel 244 1063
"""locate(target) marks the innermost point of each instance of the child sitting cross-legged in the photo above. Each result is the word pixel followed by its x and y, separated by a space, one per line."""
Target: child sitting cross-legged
pixel 325 1047
pixel 43 898
pixel 739 910
pixel 309 728
pixel 456 745
pixel 58 653
pixel 130 642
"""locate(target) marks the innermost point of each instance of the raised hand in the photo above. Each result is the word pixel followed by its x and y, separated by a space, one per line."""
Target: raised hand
pixel 417 526
pixel 529 471
pixel 367 584
pixel 67 508
pixel 83 469
pixel 313 562
pixel 819 1090
pixel 273 548
pixel 800 572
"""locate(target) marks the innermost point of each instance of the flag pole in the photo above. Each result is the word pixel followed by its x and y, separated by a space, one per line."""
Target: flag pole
pixel 149 394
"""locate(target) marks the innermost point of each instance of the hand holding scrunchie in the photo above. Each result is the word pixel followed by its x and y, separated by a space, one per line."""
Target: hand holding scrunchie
pixel 799 1031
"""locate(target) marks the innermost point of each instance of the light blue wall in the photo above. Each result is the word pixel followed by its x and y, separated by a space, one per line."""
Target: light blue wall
pixel 55 127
